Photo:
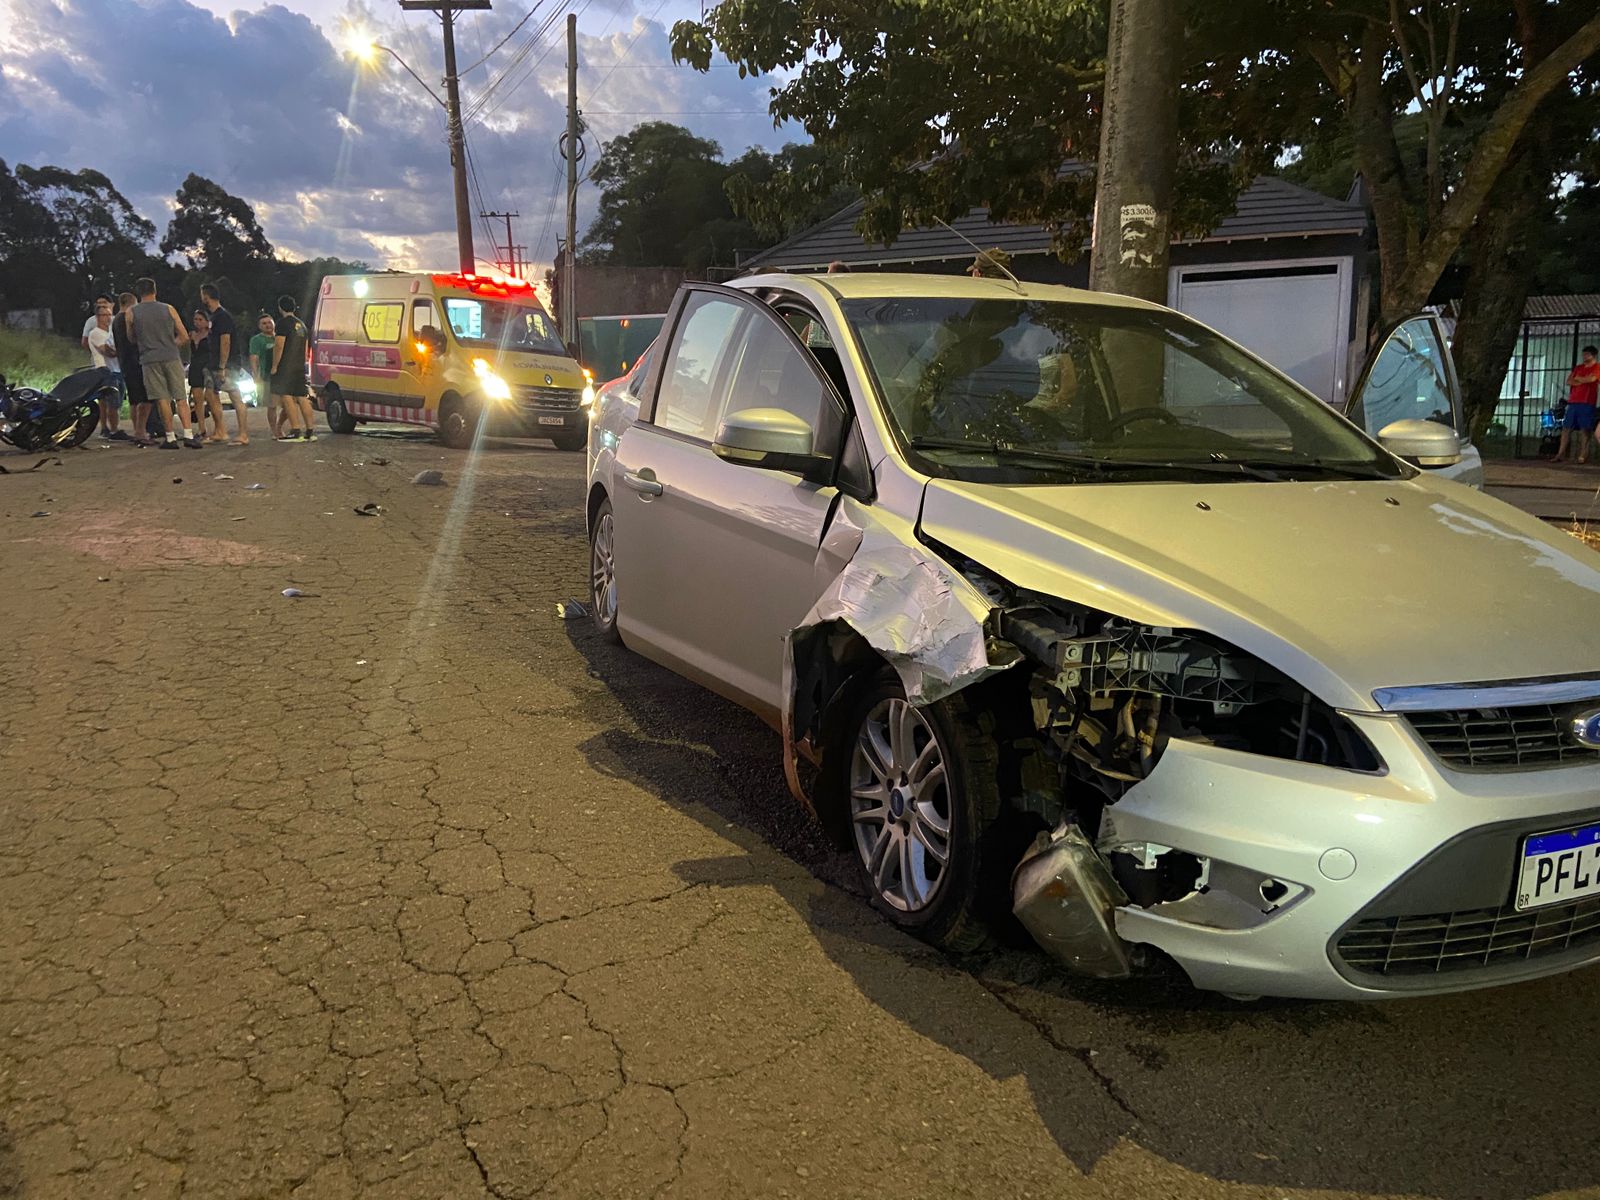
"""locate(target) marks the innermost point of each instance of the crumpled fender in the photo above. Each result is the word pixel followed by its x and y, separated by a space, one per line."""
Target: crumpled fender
pixel 923 618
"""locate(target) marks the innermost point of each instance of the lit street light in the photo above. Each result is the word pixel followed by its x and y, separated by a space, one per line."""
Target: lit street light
pixel 365 49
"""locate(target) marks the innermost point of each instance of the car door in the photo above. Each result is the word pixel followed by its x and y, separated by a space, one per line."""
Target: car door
pixel 1412 377
pixel 715 560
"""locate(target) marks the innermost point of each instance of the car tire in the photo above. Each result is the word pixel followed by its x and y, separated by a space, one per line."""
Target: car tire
pixel 338 416
pixel 603 574
pixel 933 801
pixel 571 439
pixel 457 423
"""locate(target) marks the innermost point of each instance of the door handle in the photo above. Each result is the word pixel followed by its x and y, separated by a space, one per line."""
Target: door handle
pixel 644 482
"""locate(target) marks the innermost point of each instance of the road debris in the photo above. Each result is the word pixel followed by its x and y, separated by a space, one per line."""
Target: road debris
pixel 40 513
pixel 294 593
pixel 428 478
pixel 571 610
pixel 379 462
pixel 256 487
pixel 369 509
pixel 220 478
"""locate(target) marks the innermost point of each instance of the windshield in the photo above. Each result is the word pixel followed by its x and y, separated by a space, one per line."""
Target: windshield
pixel 1021 390
pixel 495 324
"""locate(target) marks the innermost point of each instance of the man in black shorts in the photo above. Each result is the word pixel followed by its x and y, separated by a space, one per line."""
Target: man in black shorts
pixel 140 410
pixel 289 372
pixel 224 370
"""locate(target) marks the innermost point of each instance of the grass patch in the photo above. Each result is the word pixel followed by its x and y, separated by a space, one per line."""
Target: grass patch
pixel 38 360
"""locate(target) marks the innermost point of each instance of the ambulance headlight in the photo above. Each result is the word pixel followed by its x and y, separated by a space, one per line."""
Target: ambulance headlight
pixel 490 384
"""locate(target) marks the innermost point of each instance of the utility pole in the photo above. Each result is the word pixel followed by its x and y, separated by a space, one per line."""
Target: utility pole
pixel 1138 151
pixel 510 260
pixel 447 10
pixel 569 292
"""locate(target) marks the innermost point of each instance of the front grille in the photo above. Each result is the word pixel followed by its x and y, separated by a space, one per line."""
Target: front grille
pixel 1484 738
pixel 1442 943
pixel 549 397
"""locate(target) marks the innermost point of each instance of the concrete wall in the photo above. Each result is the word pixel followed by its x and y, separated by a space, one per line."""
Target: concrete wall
pixel 624 291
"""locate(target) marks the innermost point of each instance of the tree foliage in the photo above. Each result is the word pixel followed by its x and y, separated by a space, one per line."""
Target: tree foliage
pixel 213 230
pixel 662 202
pixel 67 235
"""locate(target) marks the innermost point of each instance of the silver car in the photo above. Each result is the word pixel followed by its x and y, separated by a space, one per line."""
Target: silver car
pixel 1074 614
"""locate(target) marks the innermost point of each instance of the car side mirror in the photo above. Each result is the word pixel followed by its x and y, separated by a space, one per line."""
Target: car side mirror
pixel 1424 443
pixel 772 439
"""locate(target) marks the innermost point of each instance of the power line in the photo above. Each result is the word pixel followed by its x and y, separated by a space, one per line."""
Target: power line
pixel 505 39
pixel 628 50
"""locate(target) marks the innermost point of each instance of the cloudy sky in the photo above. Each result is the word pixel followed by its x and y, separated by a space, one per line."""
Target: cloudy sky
pixel 338 158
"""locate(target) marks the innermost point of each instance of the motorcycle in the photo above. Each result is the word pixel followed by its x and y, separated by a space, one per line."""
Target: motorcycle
pixel 59 419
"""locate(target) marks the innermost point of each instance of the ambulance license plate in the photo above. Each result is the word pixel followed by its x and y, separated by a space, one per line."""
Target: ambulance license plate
pixel 1559 867
pixel 552 420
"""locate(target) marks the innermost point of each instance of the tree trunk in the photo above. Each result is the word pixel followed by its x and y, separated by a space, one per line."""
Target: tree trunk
pixel 1499 272
pixel 1132 236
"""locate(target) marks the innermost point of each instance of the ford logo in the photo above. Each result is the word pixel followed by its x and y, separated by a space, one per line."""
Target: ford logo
pixel 1586 728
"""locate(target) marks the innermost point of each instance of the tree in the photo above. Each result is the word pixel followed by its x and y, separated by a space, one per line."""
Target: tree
pixel 214 230
pixel 933 107
pixel 785 192
pixel 662 202
pixel 92 230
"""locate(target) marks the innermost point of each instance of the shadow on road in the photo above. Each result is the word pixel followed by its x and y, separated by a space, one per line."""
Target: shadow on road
pixel 1490 1094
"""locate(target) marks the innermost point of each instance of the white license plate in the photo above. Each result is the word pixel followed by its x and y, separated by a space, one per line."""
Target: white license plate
pixel 1559 867
pixel 552 420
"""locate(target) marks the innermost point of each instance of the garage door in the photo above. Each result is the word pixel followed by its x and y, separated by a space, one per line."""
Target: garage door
pixel 1295 317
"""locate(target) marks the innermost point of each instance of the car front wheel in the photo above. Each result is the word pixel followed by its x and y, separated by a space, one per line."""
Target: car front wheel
pixel 918 788
pixel 603 573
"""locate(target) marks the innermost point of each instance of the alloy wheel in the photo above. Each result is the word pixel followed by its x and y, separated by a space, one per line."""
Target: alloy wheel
pixel 602 570
pixel 900 804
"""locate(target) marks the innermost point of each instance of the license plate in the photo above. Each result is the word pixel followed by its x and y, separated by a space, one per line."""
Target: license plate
pixel 1559 867
pixel 552 420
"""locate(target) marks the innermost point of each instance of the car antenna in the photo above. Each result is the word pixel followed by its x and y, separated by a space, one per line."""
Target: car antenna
pixel 1015 282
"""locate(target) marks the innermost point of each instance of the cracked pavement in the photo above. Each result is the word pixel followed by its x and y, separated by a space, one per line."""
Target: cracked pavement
pixel 408 889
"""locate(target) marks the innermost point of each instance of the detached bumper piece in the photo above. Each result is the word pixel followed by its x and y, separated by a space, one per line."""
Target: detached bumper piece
pixel 1064 896
pixel 1473 940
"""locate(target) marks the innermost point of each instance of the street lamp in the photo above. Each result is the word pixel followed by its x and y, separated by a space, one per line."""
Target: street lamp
pixel 365 49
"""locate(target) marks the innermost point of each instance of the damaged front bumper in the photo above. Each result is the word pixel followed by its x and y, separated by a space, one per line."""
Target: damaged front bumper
pixel 1330 884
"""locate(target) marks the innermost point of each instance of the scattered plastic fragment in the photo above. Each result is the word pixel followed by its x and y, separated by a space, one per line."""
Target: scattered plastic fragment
pixel 380 462
pixel 40 513
pixel 571 610
pixel 219 478
pixel 177 479
pixel 256 487
pixel 102 579
pixel 361 662
pixel 295 593
pixel 428 478
pixel 235 518
pixel 369 509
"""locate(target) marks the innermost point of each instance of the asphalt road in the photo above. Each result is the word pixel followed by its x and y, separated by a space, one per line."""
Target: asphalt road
pixel 407 888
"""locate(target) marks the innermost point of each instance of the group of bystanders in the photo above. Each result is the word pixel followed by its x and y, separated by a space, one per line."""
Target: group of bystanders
pixel 174 376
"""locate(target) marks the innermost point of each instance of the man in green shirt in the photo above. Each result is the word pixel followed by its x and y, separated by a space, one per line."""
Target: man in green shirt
pixel 261 370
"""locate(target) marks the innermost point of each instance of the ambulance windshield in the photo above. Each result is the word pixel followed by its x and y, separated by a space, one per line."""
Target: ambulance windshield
pixel 498 325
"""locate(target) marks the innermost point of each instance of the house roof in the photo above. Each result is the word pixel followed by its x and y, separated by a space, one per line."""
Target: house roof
pixel 1579 306
pixel 1270 207
pixel 1556 308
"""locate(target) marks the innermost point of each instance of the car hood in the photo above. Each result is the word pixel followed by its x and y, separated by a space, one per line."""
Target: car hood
pixel 1345 586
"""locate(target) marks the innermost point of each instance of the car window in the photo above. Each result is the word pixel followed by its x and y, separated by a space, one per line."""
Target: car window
pixel 769 372
pixel 1409 380
pixel 1011 390
pixel 694 380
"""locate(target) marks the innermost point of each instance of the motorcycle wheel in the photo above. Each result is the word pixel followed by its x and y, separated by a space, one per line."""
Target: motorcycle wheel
pixel 78 433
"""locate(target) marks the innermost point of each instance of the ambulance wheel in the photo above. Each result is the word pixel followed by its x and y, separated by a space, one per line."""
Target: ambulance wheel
pixel 339 418
pixel 571 439
pixel 457 423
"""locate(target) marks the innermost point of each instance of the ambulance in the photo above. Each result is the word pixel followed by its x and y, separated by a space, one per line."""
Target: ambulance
pixel 455 353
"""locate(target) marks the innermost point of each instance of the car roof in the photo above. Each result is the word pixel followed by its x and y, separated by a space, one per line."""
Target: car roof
pixel 854 285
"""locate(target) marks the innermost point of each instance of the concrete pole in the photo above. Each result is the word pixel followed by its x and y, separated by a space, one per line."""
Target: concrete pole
pixel 1138 151
pixel 569 290
pixel 458 145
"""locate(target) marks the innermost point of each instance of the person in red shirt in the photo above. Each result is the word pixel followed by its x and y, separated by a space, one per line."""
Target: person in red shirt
pixel 1583 388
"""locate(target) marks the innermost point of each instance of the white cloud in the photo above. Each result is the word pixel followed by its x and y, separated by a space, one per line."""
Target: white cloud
pixel 338 159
